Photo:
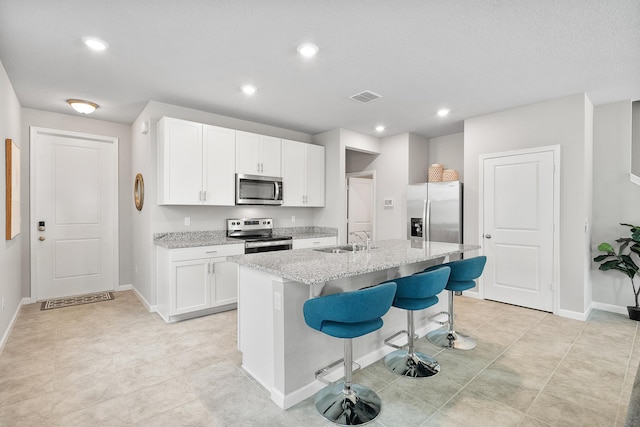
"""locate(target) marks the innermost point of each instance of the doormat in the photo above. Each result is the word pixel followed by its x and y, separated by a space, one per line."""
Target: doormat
pixel 79 300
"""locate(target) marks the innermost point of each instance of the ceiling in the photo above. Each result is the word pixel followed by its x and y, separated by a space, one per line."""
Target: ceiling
pixel 473 57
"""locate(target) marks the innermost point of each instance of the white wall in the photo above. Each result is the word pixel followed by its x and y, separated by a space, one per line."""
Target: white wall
pixel 557 122
pixel 125 183
pixel 392 176
pixel 158 219
pixel 448 150
pixel 616 199
pixel 11 251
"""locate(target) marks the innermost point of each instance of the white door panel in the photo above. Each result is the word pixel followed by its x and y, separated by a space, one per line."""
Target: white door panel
pixel 73 191
pixel 518 229
pixel 360 207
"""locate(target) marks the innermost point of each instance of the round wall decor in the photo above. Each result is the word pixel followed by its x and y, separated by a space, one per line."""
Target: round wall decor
pixel 138 191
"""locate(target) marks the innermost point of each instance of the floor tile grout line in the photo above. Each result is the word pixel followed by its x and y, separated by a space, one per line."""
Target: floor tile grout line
pixel 556 369
pixel 489 364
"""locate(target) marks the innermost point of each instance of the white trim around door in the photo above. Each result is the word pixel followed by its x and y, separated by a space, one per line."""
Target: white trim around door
pixel 111 165
pixel 555 150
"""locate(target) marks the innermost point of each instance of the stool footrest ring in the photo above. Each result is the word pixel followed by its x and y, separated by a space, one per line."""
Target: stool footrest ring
pixel 397 334
pixel 321 373
pixel 433 319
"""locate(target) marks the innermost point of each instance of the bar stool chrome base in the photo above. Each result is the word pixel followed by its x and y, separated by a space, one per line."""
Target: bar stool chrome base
pixel 413 365
pixel 443 337
pixel 348 407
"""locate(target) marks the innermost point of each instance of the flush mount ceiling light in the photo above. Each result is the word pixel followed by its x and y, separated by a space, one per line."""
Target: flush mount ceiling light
pixel 380 128
pixel 443 112
pixel 95 44
pixel 249 89
pixel 308 49
pixel 83 107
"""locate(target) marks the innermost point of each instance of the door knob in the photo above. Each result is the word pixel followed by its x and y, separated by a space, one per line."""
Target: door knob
pixel 41 238
pixel 487 236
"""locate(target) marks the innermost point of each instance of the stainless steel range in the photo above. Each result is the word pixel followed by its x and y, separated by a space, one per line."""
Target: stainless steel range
pixel 257 234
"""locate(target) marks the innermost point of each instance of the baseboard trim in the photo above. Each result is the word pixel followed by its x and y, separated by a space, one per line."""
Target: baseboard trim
pixel 120 288
pixel 609 307
pixel 575 315
pixel 471 294
pixel 7 333
pixel 150 308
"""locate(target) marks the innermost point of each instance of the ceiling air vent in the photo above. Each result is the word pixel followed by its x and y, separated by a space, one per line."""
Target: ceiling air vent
pixel 366 96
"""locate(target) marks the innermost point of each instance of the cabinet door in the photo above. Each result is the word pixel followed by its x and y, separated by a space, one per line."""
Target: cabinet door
pixel 270 156
pixel 180 160
pixel 225 282
pixel 218 156
pixel 191 286
pixel 315 172
pixel 247 153
pixel 293 172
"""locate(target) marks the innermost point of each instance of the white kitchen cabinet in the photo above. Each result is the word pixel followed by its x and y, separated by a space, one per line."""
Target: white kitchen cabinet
pixel 303 174
pixel 195 165
pixel 258 154
pixel 317 242
pixel 196 281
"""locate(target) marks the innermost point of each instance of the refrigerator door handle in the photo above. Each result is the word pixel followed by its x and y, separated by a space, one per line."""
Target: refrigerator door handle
pixel 427 222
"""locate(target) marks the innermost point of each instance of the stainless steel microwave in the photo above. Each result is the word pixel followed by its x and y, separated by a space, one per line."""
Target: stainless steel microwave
pixel 258 190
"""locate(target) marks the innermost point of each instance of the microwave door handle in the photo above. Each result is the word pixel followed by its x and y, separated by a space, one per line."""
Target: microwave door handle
pixel 277 190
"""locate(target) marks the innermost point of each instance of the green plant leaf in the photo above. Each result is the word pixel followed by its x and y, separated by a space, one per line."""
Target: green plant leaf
pixel 601 258
pixel 605 247
pixel 610 265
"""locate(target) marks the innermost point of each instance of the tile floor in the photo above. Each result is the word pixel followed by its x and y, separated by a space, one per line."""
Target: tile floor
pixel 112 363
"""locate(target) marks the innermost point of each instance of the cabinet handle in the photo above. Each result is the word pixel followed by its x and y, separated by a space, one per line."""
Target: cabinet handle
pixel 204 196
pixel 211 252
pixel 258 167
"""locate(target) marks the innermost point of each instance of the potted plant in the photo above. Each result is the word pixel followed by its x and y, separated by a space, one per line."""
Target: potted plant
pixel 622 261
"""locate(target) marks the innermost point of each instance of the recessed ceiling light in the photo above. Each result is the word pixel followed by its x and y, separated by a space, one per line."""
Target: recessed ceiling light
pixel 95 43
pixel 83 107
pixel 308 49
pixel 380 128
pixel 249 89
pixel 443 112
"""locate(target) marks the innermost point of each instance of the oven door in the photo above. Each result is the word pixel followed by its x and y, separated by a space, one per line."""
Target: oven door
pixel 258 190
pixel 267 246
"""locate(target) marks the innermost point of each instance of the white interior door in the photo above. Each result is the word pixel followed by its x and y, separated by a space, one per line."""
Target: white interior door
pixel 73 193
pixel 359 207
pixel 518 230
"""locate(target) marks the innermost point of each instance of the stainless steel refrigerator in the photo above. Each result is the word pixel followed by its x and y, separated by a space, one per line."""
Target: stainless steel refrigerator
pixel 434 211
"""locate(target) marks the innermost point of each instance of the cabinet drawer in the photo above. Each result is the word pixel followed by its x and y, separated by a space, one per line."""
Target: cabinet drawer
pixel 206 252
pixel 313 243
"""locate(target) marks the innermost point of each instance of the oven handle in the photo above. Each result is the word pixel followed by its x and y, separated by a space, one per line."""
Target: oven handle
pixel 250 245
pixel 277 190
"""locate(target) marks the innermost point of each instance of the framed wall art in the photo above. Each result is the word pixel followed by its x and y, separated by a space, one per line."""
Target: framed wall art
pixel 12 163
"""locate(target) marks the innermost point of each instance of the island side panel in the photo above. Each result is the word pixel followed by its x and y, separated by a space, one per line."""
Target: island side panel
pixel 255 324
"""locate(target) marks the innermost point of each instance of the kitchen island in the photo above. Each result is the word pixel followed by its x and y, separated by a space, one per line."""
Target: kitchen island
pixel 278 349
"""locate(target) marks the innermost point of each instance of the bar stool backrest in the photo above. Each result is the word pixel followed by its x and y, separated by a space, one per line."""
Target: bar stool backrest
pixel 350 314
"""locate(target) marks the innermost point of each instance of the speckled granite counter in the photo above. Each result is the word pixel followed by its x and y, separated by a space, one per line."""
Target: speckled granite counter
pixel 311 267
pixel 190 239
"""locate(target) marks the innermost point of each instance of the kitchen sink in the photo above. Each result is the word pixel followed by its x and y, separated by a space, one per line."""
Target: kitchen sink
pixel 341 249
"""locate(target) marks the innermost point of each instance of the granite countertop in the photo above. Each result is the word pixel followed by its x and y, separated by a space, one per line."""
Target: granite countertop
pixel 191 239
pixel 310 266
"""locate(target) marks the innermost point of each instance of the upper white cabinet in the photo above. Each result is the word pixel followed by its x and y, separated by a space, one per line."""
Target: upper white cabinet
pixel 257 154
pixel 195 165
pixel 303 174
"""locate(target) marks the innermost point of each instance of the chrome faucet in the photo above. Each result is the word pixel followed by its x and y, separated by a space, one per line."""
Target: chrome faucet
pixel 367 242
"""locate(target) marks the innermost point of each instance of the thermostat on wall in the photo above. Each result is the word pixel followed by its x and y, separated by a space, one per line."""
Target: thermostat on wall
pixel 388 203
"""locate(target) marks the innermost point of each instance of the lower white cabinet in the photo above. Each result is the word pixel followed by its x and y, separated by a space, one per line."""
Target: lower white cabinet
pixel 196 281
pixel 314 243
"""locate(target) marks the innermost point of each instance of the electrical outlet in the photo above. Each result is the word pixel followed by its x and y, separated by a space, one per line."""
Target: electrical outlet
pixel 293 218
pixel 136 269
pixel 2 309
pixel 187 220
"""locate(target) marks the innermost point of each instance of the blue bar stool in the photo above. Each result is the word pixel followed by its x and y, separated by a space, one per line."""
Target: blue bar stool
pixel 415 292
pixel 463 275
pixel 349 315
